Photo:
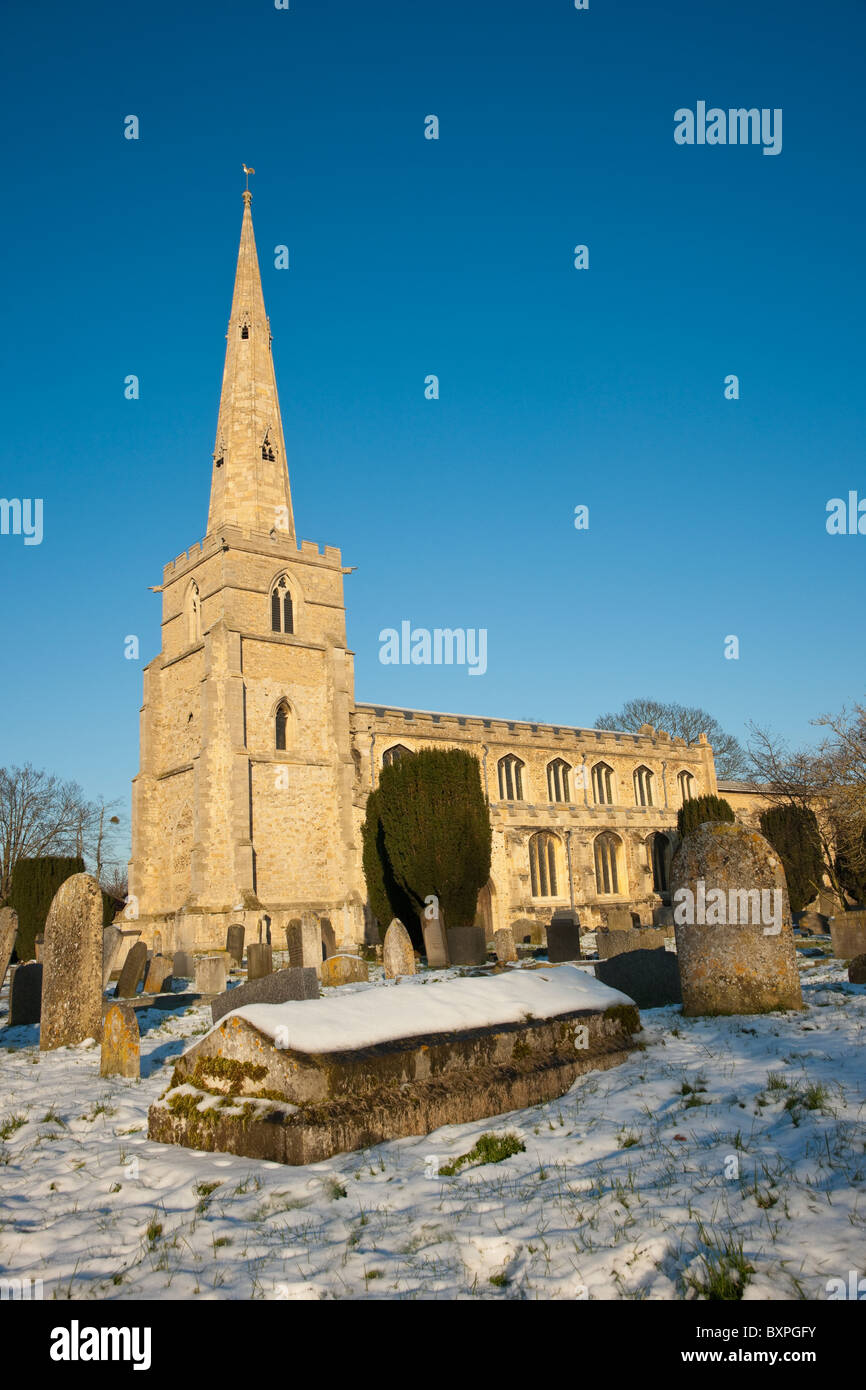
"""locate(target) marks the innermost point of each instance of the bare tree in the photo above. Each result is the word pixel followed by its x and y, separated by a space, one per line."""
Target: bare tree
pixel 681 721
pixel 39 814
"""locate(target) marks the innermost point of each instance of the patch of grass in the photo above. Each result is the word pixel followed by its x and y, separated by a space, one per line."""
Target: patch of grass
pixel 10 1124
pixel 500 1281
pixel 628 1139
pixel 776 1081
pixel 491 1148
pixel 51 1117
pixel 153 1231
pixel 335 1189
pixel 725 1272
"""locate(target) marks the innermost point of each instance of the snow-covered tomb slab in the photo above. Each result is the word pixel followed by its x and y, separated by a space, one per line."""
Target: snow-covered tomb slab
pixel 300 1081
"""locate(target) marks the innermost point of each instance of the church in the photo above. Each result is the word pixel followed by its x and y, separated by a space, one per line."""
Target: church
pixel 256 759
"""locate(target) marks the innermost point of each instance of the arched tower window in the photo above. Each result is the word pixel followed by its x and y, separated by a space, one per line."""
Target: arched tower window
pixel 395 753
pixel 643 787
pixel 602 784
pixel 557 780
pixel 267 448
pixel 282 611
pixel 542 864
pixel 245 331
pixel 193 613
pixel 281 725
pixel 660 861
pixel 686 784
pixel 608 848
pixel 510 778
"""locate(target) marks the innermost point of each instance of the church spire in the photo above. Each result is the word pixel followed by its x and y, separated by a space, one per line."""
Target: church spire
pixel 250 484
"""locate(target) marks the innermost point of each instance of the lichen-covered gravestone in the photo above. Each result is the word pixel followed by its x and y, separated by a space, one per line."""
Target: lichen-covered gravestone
pixel 8 932
pixel 344 970
pixel 210 974
pixel 259 960
pixel 732 919
pixel 398 957
pixel 158 975
pixel 503 944
pixel 235 943
pixel 121 1048
pixel 72 983
pixel 304 942
pixel 25 994
pixel 133 969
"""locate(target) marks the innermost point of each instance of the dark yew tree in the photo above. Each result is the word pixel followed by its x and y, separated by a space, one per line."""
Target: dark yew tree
pixel 793 833
pixel 700 809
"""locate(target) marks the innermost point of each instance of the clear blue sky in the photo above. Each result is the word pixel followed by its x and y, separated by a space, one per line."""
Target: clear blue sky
pixel 409 257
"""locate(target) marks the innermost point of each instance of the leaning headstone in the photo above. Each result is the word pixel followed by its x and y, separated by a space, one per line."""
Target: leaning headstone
pixel 435 938
pixel 467 945
pixel 344 970
pixel 8 932
pixel 158 977
pixel 651 978
pixel 857 971
pixel 563 941
pixel 503 944
pixel 235 943
pixel 398 957
pixel 133 970
pixel 329 937
pixel 304 942
pixel 619 919
pixel 732 919
pixel 182 965
pixel 112 944
pixel 259 960
pixel 848 932
pixel 72 984
pixel 121 1047
pixel 25 994
pixel 276 988
pixel 210 974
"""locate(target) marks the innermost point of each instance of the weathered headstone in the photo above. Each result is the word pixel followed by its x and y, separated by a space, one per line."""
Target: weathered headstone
pixel 615 943
pixel 467 945
pixel 72 983
pixel 259 960
pixel 619 919
pixel 848 932
pixel 732 919
pixel 117 942
pixel 563 941
pixel 133 969
pixel 398 957
pixel 304 942
pixel 210 974
pixel 182 967
pixel 157 942
pixel 25 994
pixel 121 1047
pixel 235 943
pixel 503 944
pixel 39 946
pixel 276 988
pixel 329 937
pixel 857 970
pixel 811 923
pixel 651 978
pixel 528 932
pixel 8 932
pixel 344 970
pixel 435 938
pixel 158 977
pixel 663 917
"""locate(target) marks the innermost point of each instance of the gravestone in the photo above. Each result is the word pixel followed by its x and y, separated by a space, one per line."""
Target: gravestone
pixel 848 932
pixel 619 919
pixel 210 974
pixel 467 945
pixel 8 932
pixel 723 877
pixel 25 994
pixel 663 917
pixel 343 969
pixel 235 943
pixel 182 967
pixel 116 945
pixel 398 956
pixel 72 983
pixel 503 944
pixel 276 988
pixel 121 1046
pixel 527 931
pixel 857 971
pixel 157 942
pixel 133 969
pixel 39 945
pixel 615 943
pixel 329 937
pixel 435 938
pixel 158 977
pixel 563 941
pixel 304 942
pixel 259 960
pixel 649 977
pixel 811 923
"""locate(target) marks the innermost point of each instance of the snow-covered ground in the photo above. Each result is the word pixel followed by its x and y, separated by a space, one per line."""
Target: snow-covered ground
pixel 732 1149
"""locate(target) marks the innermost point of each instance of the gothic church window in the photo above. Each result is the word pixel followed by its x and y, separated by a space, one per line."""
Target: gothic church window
pixel 602 784
pixel 542 864
pixel 268 449
pixel 607 876
pixel 687 782
pixel 245 331
pixel 395 753
pixel 193 614
pixel 557 780
pixel 643 787
pixel 510 778
pixel 281 723
pixel 282 613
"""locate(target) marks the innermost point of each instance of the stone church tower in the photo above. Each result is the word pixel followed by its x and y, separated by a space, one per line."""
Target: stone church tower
pixel 242 808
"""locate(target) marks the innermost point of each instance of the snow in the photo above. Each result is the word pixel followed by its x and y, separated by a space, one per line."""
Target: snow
pixel 624 1187
pixel 371 1014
